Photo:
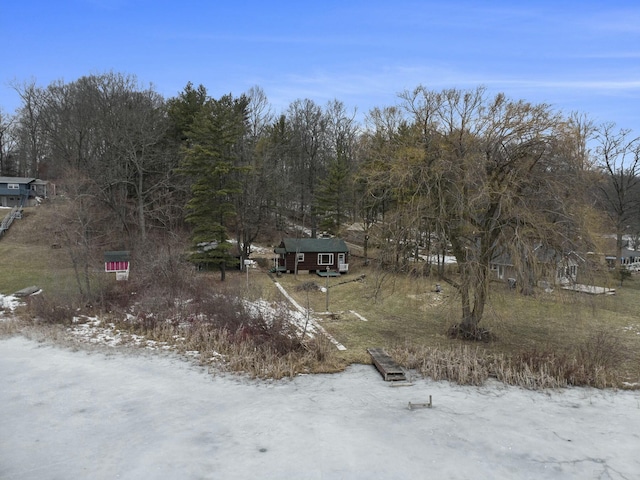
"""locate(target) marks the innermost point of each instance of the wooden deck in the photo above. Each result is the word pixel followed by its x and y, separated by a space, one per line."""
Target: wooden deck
pixel 590 289
pixel 387 367
pixel 25 292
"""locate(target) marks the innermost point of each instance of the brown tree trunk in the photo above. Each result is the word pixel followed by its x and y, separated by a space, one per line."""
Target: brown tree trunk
pixel 223 270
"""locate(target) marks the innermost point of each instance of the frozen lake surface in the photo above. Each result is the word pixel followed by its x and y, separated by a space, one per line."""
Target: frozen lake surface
pixel 76 414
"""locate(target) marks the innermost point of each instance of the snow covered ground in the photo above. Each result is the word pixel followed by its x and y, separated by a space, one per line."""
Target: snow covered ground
pixel 149 415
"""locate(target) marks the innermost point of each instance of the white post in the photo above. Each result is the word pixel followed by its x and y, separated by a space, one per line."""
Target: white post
pixel 246 266
pixel 327 288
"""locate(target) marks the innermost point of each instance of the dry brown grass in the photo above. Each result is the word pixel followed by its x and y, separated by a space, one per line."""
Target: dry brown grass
pixel 545 340
pixel 564 325
pixel 227 351
pixel 592 364
pixel 9 327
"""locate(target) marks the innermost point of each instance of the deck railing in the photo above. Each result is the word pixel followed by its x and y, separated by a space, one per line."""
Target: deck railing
pixel 16 212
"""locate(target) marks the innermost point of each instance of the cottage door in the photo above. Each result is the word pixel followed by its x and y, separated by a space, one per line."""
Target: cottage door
pixel 340 261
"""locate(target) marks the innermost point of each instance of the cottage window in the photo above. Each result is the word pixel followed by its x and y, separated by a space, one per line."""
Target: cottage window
pixel 325 259
pixel 13 186
pixel 300 257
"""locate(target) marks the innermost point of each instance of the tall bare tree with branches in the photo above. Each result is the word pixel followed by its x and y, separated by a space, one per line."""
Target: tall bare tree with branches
pixel 489 176
pixel 617 155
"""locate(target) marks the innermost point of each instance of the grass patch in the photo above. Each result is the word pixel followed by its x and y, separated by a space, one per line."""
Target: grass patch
pixel 406 313
pixel 547 339
pixel 30 256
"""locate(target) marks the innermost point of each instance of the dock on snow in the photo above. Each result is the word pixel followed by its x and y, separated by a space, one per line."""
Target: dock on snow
pixel 387 367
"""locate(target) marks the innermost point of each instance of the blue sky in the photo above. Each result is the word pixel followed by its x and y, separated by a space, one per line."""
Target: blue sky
pixel 575 55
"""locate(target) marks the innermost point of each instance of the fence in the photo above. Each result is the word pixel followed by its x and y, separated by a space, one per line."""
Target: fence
pixel 16 212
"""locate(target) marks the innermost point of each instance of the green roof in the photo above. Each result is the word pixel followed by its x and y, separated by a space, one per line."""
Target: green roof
pixel 314 245
pixel 116 256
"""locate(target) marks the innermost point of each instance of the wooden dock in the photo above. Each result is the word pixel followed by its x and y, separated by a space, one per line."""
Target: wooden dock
pixel 387 367
pixel 25 292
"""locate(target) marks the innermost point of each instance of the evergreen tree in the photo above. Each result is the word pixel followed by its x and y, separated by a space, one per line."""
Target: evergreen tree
pixel 183 110
pixel 210 162
pixel 332 196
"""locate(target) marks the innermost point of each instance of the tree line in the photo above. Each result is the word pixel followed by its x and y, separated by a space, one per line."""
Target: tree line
pixel 454 171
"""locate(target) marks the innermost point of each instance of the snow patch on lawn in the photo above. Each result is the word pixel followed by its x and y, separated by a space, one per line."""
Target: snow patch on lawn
pixel 8 302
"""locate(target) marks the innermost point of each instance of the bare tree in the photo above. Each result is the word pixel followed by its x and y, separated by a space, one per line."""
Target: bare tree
pixel 490 174
pixel 31 143
pixel 618 158
pixel 335 196
pixel 109 129
pixel 7 145
pixel 375 179
pixel 254 175
pixel 308 141
pixel 81 227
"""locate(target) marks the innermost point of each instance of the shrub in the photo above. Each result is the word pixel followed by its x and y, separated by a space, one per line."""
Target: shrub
pixel 48 309
pixel 599 356
pixel 223 326
pixel 118 295
pixel 601 349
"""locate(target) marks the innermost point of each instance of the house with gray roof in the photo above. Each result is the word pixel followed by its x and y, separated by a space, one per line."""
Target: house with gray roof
pixel 547 265
pixel 22 191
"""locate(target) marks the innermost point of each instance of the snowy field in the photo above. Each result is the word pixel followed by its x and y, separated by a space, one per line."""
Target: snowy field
pixel 149 415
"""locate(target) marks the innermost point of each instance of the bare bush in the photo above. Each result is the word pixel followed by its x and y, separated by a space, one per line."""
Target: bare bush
pixel 264 263
pixel 601 349
pixel 272 354
pixel 48 309
pixel 228 334
pixel 118 295
pixel 159 277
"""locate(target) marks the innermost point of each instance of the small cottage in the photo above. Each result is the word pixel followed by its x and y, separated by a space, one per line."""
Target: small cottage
pixel 312 255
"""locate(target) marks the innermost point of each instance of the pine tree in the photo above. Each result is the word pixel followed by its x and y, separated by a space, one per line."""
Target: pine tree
pixel 332 196
pixel 210 162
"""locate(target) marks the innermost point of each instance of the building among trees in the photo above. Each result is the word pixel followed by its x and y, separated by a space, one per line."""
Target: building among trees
pixel 22 191
pixel 314 255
